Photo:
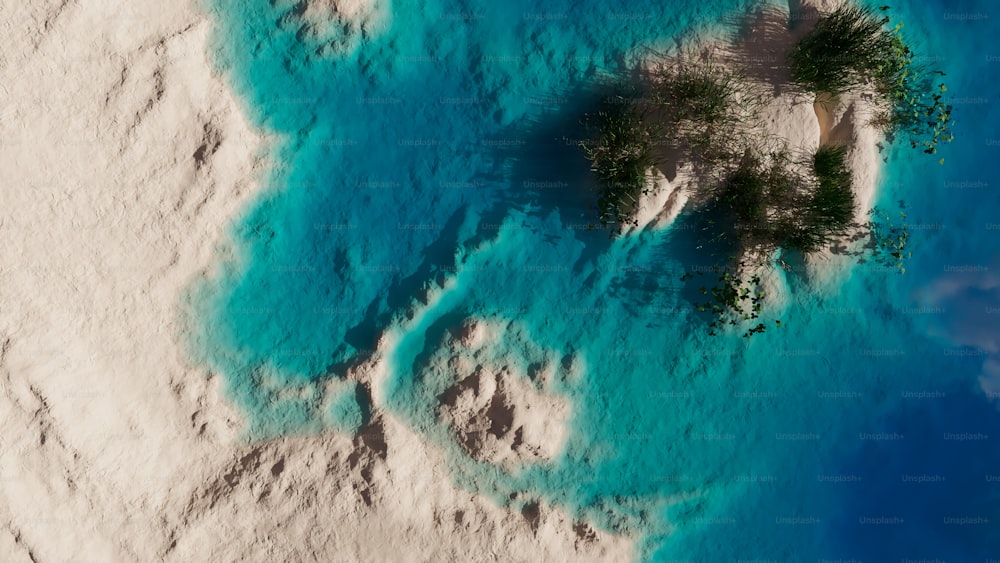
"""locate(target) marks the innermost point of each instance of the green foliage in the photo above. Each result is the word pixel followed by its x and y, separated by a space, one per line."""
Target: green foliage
pixel 890 240
pixel 832 207
pixel 851 49
pixel 744 196
pixel 710 114
pixel 734 300
pixel 620 154
pixel 770 205
pixel 706 113
pixel 829 211
pixel 699 94
pixel 914 104
pixel 845 49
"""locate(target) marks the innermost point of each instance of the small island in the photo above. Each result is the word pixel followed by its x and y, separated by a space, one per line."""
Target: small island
pixel 779 152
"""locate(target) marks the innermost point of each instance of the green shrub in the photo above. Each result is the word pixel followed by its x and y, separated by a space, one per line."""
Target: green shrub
pixel 851 49
pixel 833 206
pixel 743 197
pixel 708 112
pixel 829 211
pixel 889 240
pixel 734 300
pixel 697 94
pixel 620 153
pixel 705 113
pixel 846 48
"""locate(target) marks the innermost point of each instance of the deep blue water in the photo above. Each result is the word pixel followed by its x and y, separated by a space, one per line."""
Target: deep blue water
pixel 438 152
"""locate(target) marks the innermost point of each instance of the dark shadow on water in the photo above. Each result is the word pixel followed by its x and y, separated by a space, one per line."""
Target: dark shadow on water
pixel 436 256
pixel 362 396
pixel 435 335
pixel 363 335
pixel 703 258
pixel 547 170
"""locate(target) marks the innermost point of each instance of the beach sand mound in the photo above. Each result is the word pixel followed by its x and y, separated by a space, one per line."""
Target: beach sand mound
pixel 499 414
pixel 498 417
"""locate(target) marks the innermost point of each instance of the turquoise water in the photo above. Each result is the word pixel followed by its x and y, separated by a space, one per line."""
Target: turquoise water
pixel 438 152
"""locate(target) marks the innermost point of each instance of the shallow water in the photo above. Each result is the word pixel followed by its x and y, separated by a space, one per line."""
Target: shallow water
pixel 439 151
